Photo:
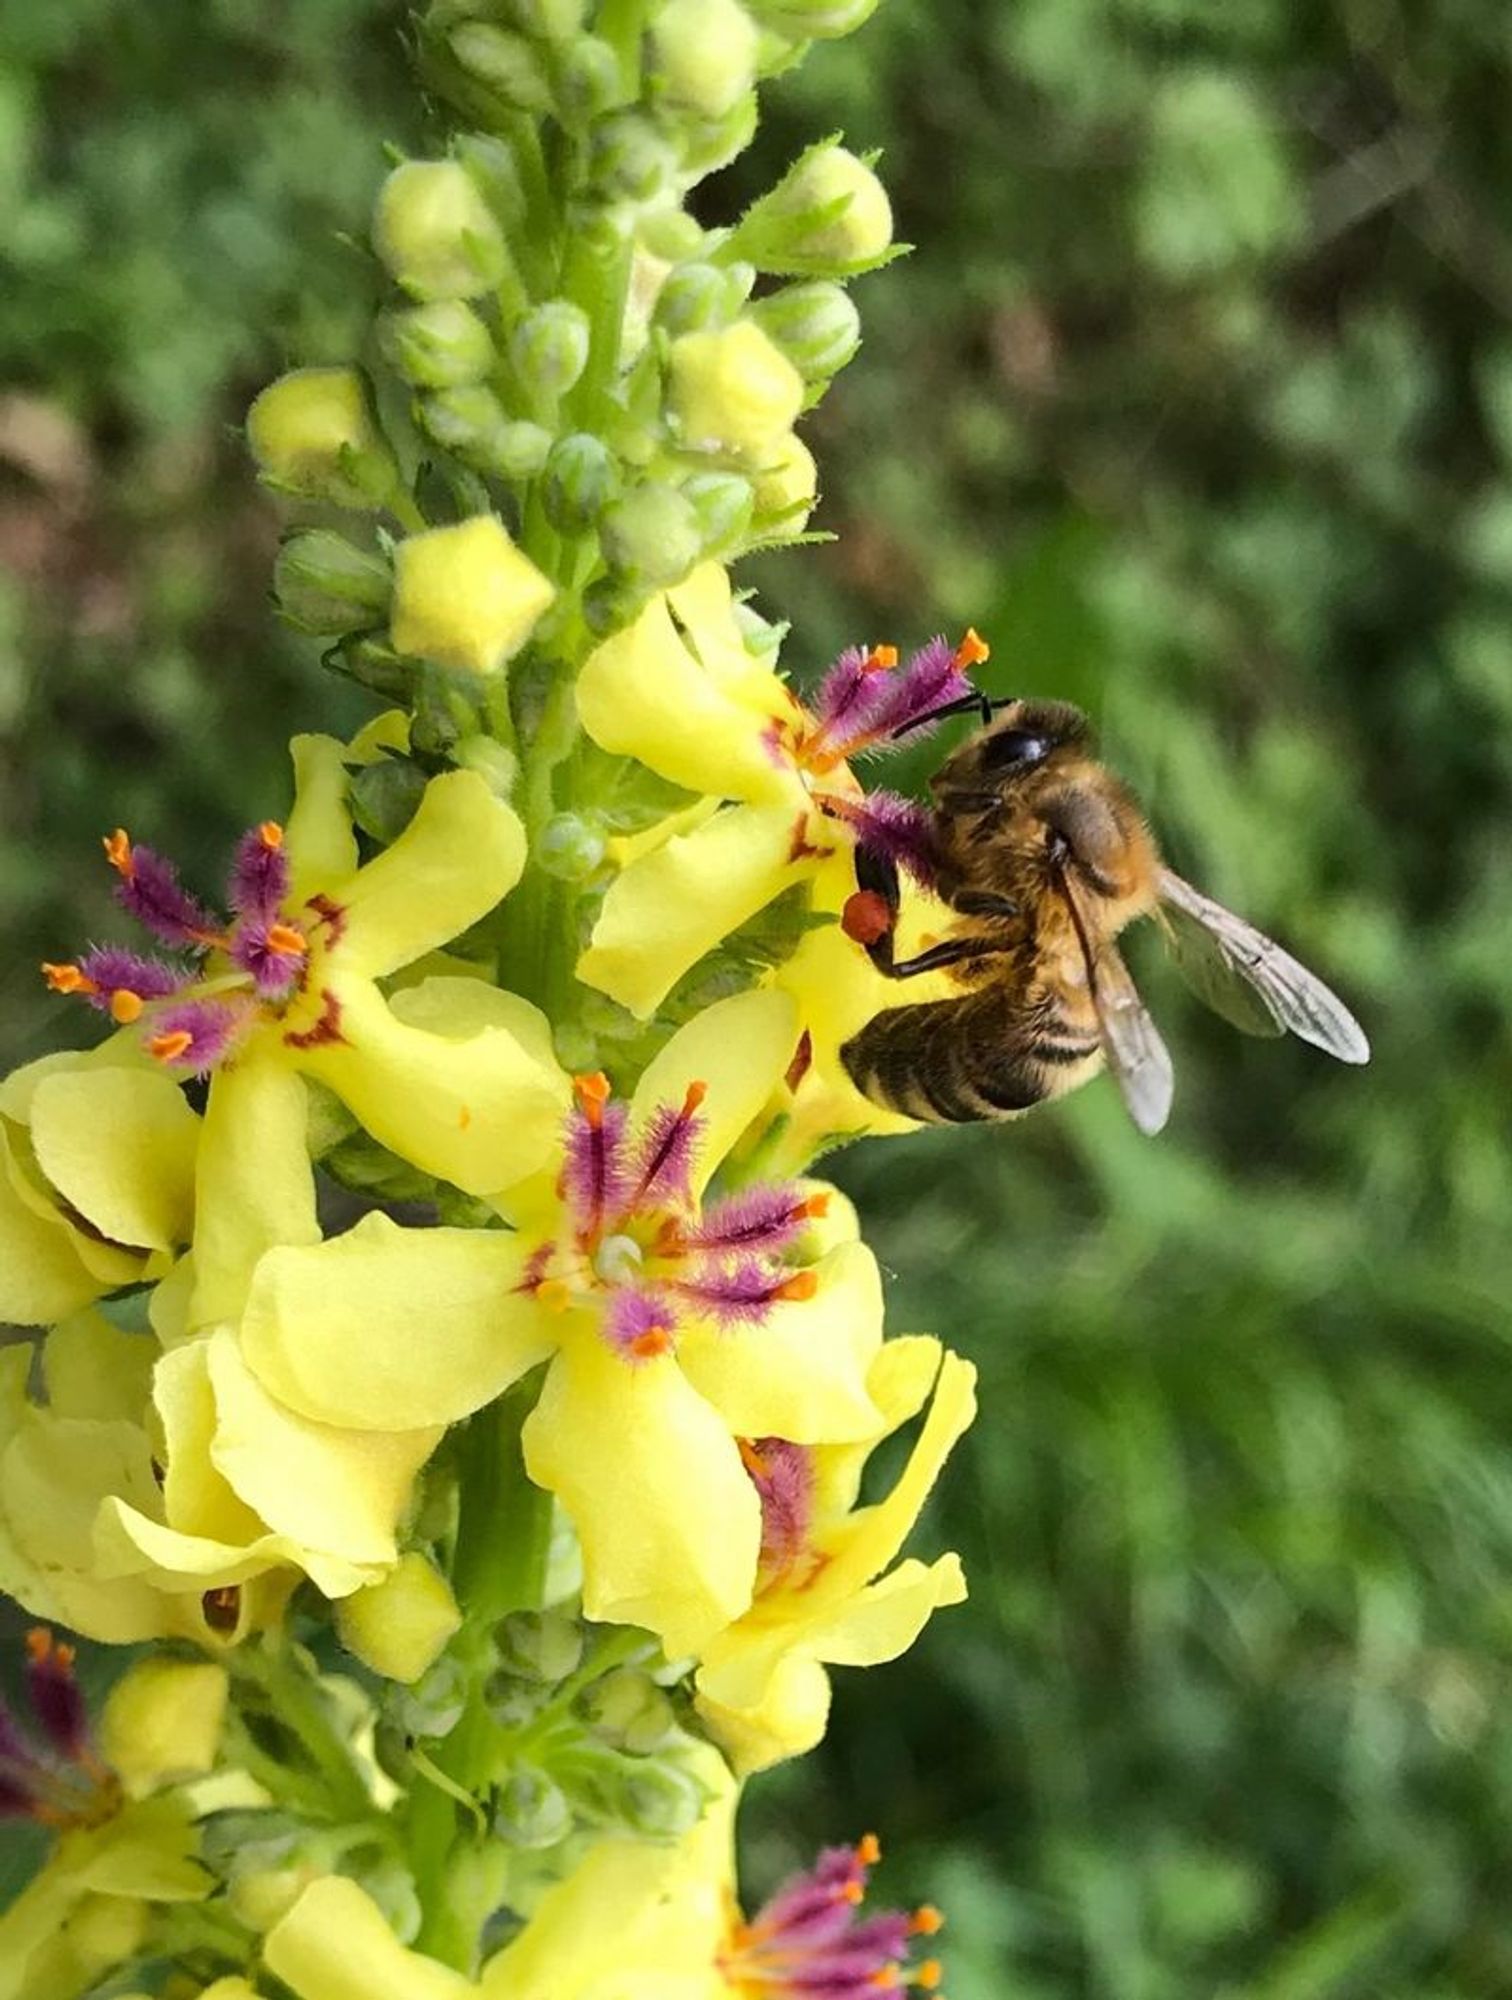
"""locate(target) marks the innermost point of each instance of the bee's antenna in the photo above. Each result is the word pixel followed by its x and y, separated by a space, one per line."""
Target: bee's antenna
pixel 986 706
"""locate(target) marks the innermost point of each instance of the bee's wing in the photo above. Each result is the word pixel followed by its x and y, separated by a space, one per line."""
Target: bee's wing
pixel 1251 981
pixel 1137 1057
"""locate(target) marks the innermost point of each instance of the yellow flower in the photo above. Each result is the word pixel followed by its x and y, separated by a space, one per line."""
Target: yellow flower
pixel 335 1944
pixel 673 1325
pixel 733 391
pixel 97 1155
pixel 465 596
pixel 400 1625
pixel 823 1599
pixel 312 432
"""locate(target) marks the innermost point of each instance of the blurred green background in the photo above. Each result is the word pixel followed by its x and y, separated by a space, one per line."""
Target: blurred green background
pixel 1197 400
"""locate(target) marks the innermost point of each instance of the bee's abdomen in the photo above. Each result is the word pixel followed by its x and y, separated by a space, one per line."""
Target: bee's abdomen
pixel 954 1062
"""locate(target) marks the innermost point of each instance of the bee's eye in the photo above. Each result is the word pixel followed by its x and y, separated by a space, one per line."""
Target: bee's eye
pixel 1012 747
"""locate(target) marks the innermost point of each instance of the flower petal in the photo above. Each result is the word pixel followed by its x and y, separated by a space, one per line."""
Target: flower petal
pixel 479 1111
pixel 42 1275
pixel 461 853
pixel 739 1048
pixel 704 605
pixel 94 1370
pixel 885 1618
pixel 801 1374
pixel 322 847
pixel 254 1184
pixel 119 1146
pixel 783 1713
pixel 388 1329
pixel 669 1523
pixel 335 1944
pixel 670 906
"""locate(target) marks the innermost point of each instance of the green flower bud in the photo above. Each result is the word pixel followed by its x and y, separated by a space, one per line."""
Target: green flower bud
pixel 609 603
pixel 570 848
pixel 506 63
pixel 652 535
pixel 513 1702
pixel 694 297
pixel 435 232
pixel 704 54
pixel 530 1810
pixel 660 1801
pixel 552 20
pixel 496 173
pixel 434 1705
pixel 465 596
pixel 722 504
pixel 474 424
pixel 827 217
pixel 671 234
pixel 385 796
pixel 493 761
pixel 541 1645
pixel 787 488
pixel 813 20
pixel 325 585
pixel 629 1711
pixel 549 347
pixel 732 391
pixel 312 432
pixel 261 1896
pixel 708 144
pixel 582 477
pixel 438 346
pixel 816 326
pixel 589 82
pixel 630 159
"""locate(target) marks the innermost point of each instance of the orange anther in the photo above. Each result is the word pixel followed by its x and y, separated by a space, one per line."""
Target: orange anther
pixel 852 1892
pixel 67 979
pixel 802 1285
pixel 555 1294
pixel 929 1974
pixel 885 1975
pixel 169 1047
pixel 650 1342
pixel 287 941
pixel 270 833
pixel 125 1006
pixel 880 660
pixel 816 1204
pixel 593 1094
pixel 693 1096
pixel 117 847
pixel 927 1920
pixel 41 1645
pixel 972 650
pixel 868 1850
pixel 752 1459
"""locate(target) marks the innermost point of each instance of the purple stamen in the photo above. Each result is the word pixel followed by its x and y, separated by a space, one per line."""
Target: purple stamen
pixel 595 1173
pixel 760 1218
pixel 112 970
pixel 850 696
pixel 665 1154
pixel 259 874
pixel 640 1325
pixel 929 679
pixel 783 1475
pixel 150 890
pixel 196 1035
pixel 56 1701
pixel 893 826
pixel 276 971
pixel 808 1940
pixel 739 1294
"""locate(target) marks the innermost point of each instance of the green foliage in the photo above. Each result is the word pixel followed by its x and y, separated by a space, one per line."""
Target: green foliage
pixel 1196 398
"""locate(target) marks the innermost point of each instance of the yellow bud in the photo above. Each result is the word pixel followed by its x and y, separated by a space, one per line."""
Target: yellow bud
pixel 436 233
pixel 705 53
pixel 234 1988
pixel 265 1895
pixel 100 1933
pixel 787 487
pixel 399 1626
pixel 733 391
pixel 163 1721
pixel 828 216
pixel 465 596
pixel 312 431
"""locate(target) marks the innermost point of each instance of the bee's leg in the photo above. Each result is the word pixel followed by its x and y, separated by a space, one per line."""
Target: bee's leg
pixel 951 951
pixel 871 915
pixel 986 706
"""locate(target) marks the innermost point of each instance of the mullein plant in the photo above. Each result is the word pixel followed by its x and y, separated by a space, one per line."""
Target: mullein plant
pixel 476 1554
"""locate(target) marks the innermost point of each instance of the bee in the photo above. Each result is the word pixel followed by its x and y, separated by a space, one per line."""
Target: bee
pixel 1044 857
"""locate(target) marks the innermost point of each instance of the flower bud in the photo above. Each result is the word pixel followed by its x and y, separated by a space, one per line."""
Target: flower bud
pixel 787 488
pixel 570 847
pixel 722 504
pixel 732 391
pixel 652 535
pixel 548 348
pixel 400 1625
pixel 474 425
pixel 530 1810
pixel 660 1801
pixel 312 433
pixel 552 20
pixel 436 233
pixel 815 324
pixel 704 54
pixel 707 144
pixel 465 596
pixel 162 1722
pixel 694 297
pixel 589 82
pixel 540 1645
pixel 101 1931
pixel 262 1896
pixel 630 159
pixel 582 477
pixel 628 1710
pixel 325 585
pixel 813 20
pixel 438 346
pixel 827 217
pixel 506 63
pixel 385 796
pixel 495 172
pixel 434 1705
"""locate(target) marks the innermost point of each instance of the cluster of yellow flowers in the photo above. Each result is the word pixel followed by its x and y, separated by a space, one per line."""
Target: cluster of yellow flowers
pixel 485 1546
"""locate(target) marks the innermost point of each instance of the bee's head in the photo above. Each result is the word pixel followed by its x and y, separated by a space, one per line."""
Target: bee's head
pixel 1019 739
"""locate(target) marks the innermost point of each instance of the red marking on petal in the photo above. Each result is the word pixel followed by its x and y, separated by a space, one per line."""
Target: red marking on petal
pixel 332 914
pixel 803 1057
pixel 326 1030
pixel 866 917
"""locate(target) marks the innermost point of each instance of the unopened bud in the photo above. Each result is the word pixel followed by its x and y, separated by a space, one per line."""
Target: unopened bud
pixel 465 596
pixel 589 82
pixel 707 144
pixel 628 1710
pixel 493 761
pixel 530 1810
pixel 828 216
pixel 671 234
pixel 435 232
pixel 506 63
pixel 434 1705
pixel 385 796
pixel 474 425
pixel 732 391
pixel 704 54
pixel 400 1625
pixel 495 172
pixel 787 488
pixel 260 1897
pixel 695 297
pixel 514 1702
pixel 660 1800
pixel 722 504
pixel 572 849
pixel 162 1722
pixel 325 585
pixel 541 1645
pixel 815 324
pixel 313 433
pixel 552 20
pixel 438 346
pixel 631 160
pixel 100 1933
pixel 549 347
pixel 813 20
pixel 582 477
pixel 652 535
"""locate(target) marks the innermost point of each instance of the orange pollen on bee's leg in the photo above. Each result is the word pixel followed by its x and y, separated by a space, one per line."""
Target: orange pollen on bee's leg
pixel 866 917
pixel 880 660
pixel 287 941
pixel 169 1047
pixel 802 1285
pixel 67 979
pixel 593 1094
pixel 653 1340
pixel 125 1006
pixel 117 847
pixel 271 834
pixel 752 1459
pixel 972 650
pixel 927 1920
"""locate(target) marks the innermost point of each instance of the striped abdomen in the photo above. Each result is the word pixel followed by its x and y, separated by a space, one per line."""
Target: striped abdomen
pixel 956 1061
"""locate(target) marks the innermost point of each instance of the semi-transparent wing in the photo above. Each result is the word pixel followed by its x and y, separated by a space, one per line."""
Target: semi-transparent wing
pixel 1137 1058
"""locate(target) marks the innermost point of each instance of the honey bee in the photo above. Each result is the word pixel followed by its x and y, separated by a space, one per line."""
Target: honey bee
pixel 1045 857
